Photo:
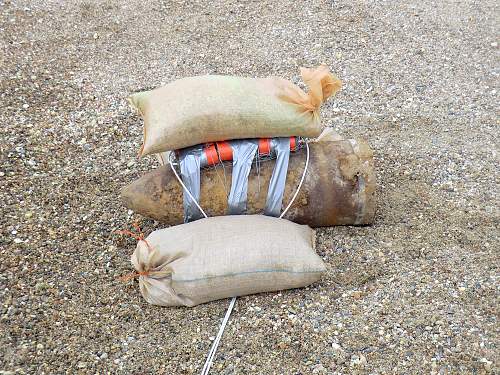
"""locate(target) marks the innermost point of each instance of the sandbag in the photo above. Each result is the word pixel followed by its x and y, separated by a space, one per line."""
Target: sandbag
pixel 339 187
pixel 225 256
pixel 210 108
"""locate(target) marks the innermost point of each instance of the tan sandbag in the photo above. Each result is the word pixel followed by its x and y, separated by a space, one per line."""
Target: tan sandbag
pixel 211 108
pixel 225 256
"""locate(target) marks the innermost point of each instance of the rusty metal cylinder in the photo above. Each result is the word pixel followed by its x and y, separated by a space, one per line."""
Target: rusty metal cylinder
pixel 339 188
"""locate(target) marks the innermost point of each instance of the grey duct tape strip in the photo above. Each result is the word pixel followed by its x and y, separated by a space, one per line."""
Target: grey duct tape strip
pixel 278 179
pixel 189 159
pixel 243 154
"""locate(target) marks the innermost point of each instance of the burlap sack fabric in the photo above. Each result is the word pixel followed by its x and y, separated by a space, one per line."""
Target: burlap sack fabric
pixel 210 108
pixel 225 256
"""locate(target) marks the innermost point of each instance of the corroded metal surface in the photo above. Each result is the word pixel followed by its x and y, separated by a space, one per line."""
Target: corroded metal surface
pixel 339 188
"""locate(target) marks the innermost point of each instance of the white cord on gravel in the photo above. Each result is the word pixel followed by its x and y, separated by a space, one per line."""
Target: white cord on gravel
pixel 213 350
pixel 215 345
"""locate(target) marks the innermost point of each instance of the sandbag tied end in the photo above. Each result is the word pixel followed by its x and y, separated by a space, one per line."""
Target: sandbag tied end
pixel 321 84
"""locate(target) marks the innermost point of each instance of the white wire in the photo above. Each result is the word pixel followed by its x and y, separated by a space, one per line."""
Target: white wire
pixel 300 183
pixel 213 350
pixel 186 189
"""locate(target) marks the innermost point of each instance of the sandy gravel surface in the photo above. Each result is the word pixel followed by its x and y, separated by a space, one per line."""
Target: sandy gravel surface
pixel 416 293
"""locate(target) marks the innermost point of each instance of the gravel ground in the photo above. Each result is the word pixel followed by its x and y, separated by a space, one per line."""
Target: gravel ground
pixel 415 293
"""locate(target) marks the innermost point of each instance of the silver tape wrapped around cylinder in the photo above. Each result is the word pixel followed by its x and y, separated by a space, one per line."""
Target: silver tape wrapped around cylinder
pixel 276 189
pixel 243 153
pixel 189 160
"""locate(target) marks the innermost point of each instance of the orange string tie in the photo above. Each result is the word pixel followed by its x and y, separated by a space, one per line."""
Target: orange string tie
pixel 139 236
pixel 133 275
